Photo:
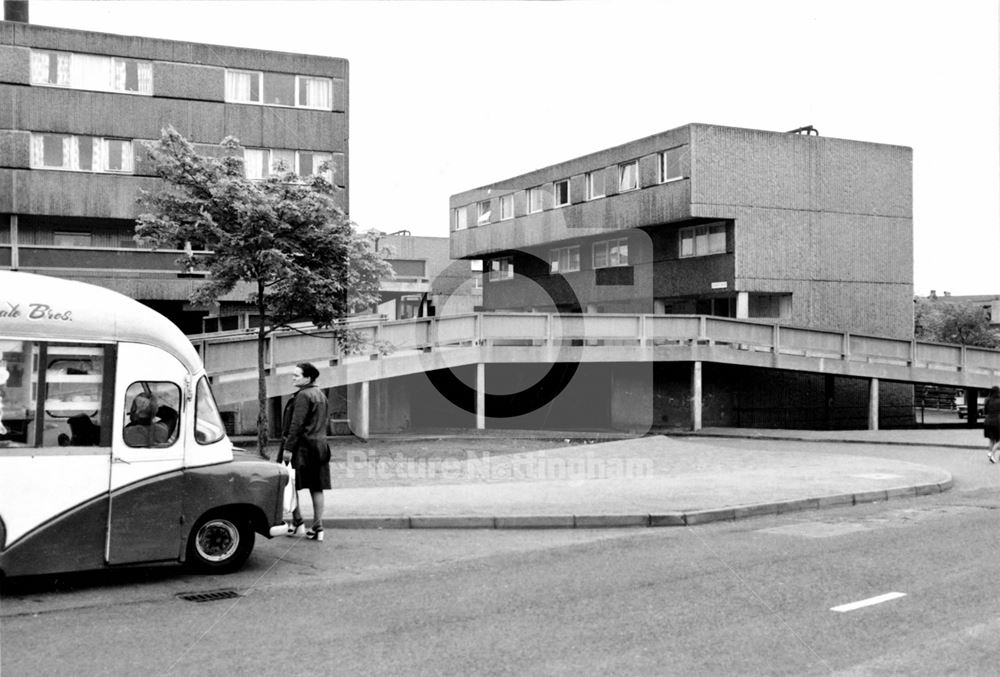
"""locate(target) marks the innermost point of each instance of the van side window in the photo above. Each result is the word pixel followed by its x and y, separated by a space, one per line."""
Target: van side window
pixel 53 394
pixel 152 414
pixel 17 409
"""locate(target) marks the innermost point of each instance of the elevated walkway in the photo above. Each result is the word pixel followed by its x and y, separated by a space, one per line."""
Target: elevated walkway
pixel 399 348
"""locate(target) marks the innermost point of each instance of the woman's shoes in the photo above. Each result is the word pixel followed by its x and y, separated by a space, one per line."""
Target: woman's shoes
pixel 296 527
pixel 315 534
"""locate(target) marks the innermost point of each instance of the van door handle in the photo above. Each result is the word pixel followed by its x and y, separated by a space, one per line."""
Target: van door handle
pixel 119 459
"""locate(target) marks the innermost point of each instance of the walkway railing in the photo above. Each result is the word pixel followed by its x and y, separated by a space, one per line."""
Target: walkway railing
pixel 231 355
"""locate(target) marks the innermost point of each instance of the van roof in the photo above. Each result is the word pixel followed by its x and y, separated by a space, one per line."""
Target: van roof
pixel 42 307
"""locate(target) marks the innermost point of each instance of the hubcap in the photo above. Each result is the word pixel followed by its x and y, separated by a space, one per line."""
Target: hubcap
pixel 217 540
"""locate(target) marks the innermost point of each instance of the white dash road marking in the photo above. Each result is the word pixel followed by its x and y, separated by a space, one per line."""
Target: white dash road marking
pixel 868 602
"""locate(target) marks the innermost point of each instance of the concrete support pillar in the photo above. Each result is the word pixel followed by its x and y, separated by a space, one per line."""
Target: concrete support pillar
pixel 873 405
pixel 742 305
pixel 696 396
pixel 359 408
pixel 481 396
pixel 660 308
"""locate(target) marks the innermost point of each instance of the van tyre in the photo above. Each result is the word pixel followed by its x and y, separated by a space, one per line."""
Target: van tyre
pixel 220 543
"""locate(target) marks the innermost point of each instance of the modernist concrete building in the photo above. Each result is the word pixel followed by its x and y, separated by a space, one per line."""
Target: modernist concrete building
pixel 427 282
pixel 75 109
pixel 703 219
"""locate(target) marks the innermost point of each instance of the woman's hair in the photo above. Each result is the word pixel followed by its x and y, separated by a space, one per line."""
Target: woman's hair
pixel 309 371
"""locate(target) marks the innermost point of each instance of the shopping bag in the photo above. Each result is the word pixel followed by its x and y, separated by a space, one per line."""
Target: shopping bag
pixel 291 495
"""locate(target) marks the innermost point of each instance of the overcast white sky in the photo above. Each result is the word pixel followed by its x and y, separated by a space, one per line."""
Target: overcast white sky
pixel 447 96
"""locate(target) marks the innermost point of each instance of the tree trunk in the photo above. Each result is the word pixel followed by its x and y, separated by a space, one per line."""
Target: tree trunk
pixel 261 378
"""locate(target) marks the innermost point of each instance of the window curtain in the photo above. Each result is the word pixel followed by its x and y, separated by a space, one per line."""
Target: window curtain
pixel 237 86
pixel 255 163
pixel 145 78
pixel 71 152
pixel 316 93
pixel 120 74
pixel 91 72
pixel 62 69
pixel 40 67
pixel 37 150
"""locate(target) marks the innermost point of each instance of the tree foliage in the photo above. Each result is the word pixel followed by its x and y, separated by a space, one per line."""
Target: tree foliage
pixel 966 324
pixel 282 237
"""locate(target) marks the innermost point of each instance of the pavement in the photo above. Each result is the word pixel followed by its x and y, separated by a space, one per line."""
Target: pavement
pixel 675 479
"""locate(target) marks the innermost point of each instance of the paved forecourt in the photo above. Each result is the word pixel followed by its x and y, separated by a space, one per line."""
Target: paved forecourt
pixel 646 481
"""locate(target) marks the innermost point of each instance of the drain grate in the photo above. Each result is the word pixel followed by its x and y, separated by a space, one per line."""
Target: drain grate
pixel 211 596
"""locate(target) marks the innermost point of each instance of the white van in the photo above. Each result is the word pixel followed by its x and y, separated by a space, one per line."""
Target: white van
pixel 112 450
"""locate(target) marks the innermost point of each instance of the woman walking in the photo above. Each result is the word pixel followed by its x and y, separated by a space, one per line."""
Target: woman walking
pixel 991 427
pixel 303 427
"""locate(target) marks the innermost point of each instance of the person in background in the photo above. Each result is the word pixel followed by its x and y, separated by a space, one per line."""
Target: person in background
pixel 303 426
pixel 991 425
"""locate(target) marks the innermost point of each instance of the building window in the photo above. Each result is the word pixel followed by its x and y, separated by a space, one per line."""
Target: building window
pixel 476 268
pixel 483 213
pixel 461 218
pixel 310 163
pixel 595 184
pixel 628 176
pixel 315 93
pixel 256 162
pixel 506 207
pixel 611 253
pixel 72 239
pixel 279 89
pixel 81 153
pixel 89 71
pixel 564 259
pixel 259 163
pixel 242 87
pixel 535 199
pixel 282 161
pixel 562 193
pixel 703 240
pixel 670 165
pixel 116 156
pixel 501 269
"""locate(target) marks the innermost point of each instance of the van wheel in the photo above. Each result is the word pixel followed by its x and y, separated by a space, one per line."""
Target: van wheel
pixel 220 543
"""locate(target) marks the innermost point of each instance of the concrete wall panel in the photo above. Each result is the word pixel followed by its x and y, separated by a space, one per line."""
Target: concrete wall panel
pixel 188 81
pixel 15 149
pixel 15 65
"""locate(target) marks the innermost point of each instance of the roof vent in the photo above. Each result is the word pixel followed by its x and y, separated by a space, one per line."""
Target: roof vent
pixel 808 130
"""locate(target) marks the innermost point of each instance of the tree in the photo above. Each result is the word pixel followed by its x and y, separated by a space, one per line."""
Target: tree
pixel 941 321
pixel 283 235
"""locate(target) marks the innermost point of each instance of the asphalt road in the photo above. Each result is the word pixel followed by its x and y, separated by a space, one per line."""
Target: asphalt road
pixel 749 597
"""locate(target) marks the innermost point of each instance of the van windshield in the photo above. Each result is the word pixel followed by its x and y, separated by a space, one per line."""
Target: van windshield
pixel 208 426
